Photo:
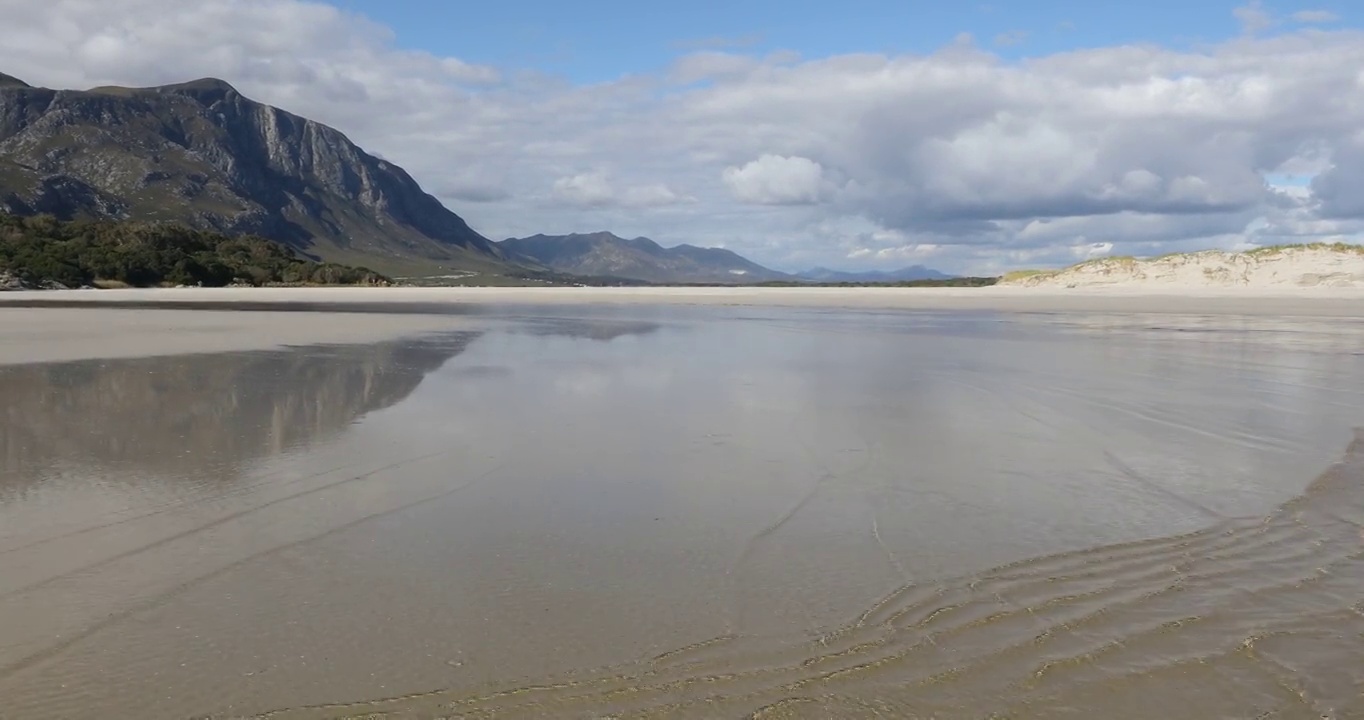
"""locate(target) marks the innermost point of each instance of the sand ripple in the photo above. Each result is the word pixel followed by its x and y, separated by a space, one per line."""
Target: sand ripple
pixel 1248 618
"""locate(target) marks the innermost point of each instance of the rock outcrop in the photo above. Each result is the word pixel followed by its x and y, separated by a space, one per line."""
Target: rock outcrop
pixel 200 153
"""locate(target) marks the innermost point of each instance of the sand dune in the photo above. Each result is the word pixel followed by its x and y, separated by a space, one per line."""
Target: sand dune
pixel 1298 267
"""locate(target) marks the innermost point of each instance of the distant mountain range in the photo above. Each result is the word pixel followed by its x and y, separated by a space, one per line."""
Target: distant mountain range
pixel 201 154
pixel 914 272
pixel 605 255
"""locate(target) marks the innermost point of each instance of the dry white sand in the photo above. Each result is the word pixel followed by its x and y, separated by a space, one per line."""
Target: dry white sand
pixel 34 334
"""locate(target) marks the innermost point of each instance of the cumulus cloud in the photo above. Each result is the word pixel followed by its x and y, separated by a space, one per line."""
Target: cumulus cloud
pixel 595 189
pixel 1315 16
pixel 1011 38
pixel 776 180
pixel 1340 189
pixel 475 193
pixel 585 189
pixel 796 161
pixel 701 66
pixel 1254 17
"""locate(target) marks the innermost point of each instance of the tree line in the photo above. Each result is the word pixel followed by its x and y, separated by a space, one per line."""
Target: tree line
pixel 42 250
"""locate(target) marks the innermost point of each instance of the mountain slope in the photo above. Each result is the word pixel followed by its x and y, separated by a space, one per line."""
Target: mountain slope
pixel 40 251
pixel 202 154
pixel 603 254
pixel 914 272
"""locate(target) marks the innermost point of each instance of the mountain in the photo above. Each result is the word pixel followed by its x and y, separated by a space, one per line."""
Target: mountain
pixel 914 272
pixel 603 254
pixel 201 154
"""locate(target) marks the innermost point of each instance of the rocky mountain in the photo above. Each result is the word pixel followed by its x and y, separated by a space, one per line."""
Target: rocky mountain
pixel 914 272
pixel 603 254
pixel 202 154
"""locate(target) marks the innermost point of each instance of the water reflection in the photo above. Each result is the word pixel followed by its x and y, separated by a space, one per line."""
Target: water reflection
pixel 683 495
pixel 197 418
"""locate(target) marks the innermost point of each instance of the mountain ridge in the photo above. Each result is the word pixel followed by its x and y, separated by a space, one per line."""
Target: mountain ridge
pixel 605 254
pixel 201 153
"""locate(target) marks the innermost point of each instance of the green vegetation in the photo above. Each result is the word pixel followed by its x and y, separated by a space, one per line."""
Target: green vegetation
pixel 1334 247
pixel 1128 260
pixel 1120 260
pixel 1020 275
pixel 534 278
pixel 42 250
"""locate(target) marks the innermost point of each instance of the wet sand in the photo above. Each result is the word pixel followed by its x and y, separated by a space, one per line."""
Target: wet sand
pixel 1268 301
pixel 30 335
pixel 647 511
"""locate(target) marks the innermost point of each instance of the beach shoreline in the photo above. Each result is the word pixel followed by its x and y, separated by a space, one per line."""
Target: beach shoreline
pixel 1330 301
pixel 53 326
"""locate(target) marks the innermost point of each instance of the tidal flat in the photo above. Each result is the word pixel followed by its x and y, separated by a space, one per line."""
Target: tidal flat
pixel 270 505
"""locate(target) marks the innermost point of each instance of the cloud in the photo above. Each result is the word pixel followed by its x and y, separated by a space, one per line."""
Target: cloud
pixel 720 42
pixel 1253 17
pixel 472 192
pixel 591 189
pixel 1011 38
pixel 711 65
pixel 898 253
pixel 794 161
pixel 1340 188
pixel 595 189
pixel 1315 16
pixel 656 195
pixel 776 180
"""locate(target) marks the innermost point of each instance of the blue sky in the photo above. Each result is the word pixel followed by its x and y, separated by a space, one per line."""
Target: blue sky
pixel 592 41
pixel 861 134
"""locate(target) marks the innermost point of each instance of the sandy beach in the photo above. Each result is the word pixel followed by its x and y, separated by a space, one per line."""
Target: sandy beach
pixel 1267 299
pixel 29 335
pixel 581 502
pixel 39 326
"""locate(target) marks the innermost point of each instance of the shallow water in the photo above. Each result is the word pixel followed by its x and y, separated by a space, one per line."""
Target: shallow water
pixel 696 512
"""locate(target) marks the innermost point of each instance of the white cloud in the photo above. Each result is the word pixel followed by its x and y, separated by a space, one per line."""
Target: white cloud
pixel 776 180
pixel 1011 38
pixel 796 162
pixel 595 189
pixel 898 253
pixel 656 195
pixel 592 188
pixel 701 66
pixel 1092 250
pixel 1253 17
pixel 1315 16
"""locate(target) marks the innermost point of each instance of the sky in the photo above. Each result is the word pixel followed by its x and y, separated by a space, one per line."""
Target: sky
pixel 859 134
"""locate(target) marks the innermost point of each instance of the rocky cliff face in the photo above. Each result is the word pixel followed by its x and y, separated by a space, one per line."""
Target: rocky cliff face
pixel 606 255
pixel 203 154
